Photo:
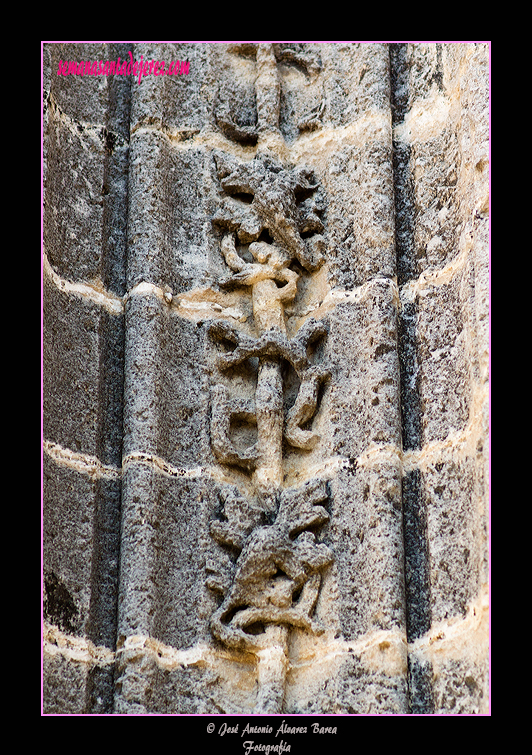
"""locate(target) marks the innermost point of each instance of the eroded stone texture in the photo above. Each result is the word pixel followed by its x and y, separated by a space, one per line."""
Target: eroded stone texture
pixel 275 267
pixel 274 583
pixel 86 132
pixel 64 685
pixel 441 144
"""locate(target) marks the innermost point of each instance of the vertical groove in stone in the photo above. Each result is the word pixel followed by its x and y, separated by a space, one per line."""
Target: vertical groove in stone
pixel 140 421
pixel 417 589
pixel 106 549
pixel 417 577
pixel 125 555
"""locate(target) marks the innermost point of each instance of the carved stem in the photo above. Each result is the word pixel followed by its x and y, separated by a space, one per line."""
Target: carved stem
pixel 269 414
pixel 271 567
pixel 268 88
pixel 268 314
pixel 268 308
pixel 272 668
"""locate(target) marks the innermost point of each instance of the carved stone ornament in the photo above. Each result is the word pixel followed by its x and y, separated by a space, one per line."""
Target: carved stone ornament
pixel 269 568
pixel 269 563
pixel 265 372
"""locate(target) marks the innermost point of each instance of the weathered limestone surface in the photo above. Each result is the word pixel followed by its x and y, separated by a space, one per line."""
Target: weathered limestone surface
pixel 442 158
pixel 266 381
pixel 86 133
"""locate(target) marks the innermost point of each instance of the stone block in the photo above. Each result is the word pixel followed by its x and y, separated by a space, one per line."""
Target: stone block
pixel 143 323
pixel 166 417
pixel 456 541
pixel 353 686
pixel 82 374
pixel 363 392
pixel 444 363
pixel 184 439
pixel 177 103
pixel 360 213
pixel 73 214
pixel 70 370
pixel 86 169
pixel 461 686
pixel 435 165
pixel 105 561
pixel 170 240
pixel 83 98
pixel 365 535
pixel 164 538
pixel 68 538
pixel 160 684
pixel 64 686
pixel 355 79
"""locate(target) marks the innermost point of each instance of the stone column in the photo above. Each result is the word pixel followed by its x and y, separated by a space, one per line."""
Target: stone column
pixel 265 380
pixel 85 172
pixel 441 147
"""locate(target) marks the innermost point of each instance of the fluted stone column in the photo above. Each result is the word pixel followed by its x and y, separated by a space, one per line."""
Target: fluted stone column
pixel 266 366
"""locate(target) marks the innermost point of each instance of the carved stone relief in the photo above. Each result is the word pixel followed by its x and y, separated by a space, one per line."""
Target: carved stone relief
pixel 237 123
pixel 269 562
pixel 265 381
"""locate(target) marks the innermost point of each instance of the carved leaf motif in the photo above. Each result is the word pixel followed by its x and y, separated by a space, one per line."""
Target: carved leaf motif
pixel 284 202
pixel 223 411
pixel 270 568
pixel 276 576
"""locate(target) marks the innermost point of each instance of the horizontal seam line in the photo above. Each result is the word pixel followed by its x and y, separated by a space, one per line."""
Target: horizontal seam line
pixel 77 649
pixel 434 277
pixel 112 302
pixel 116 304
pixel 85 463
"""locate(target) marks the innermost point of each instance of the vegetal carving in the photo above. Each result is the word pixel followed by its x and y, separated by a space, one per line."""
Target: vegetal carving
pixel 269 564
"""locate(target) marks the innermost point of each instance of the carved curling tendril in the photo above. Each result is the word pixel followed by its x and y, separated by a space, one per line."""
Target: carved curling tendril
pixel 269 565
pixel 277 573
